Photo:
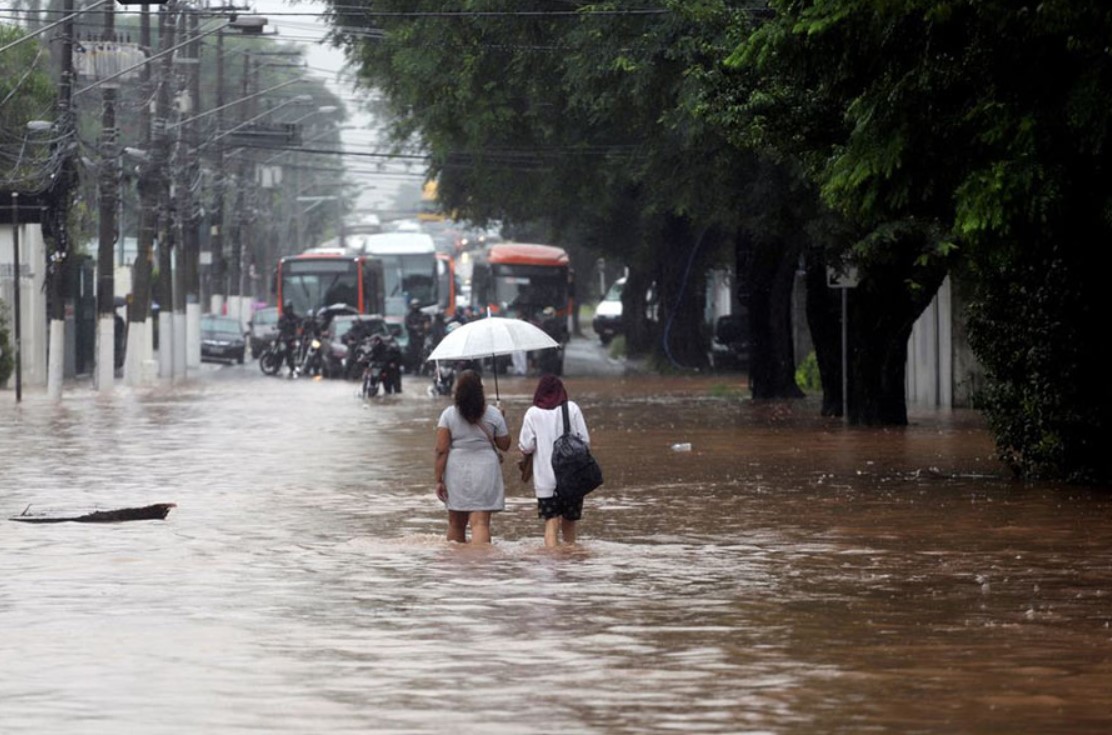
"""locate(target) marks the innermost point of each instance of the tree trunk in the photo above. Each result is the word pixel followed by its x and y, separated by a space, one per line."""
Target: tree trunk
pixel 882 312
pixel 824 319
pixel 681 292
pixel 639 333
pixel 768 269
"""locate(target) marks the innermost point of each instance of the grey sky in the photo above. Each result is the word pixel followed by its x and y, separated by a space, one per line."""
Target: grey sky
pixel 328 62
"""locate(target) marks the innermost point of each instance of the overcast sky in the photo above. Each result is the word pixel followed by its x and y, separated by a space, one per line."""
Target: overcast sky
pixel 301 23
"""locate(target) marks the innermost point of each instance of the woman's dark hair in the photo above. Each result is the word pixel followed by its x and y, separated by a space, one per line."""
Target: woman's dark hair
pixel 470 399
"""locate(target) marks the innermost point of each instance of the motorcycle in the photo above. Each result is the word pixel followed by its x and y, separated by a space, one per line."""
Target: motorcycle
pixel 312 360
pixel 443 380
pixel 382 359
pixel 273 357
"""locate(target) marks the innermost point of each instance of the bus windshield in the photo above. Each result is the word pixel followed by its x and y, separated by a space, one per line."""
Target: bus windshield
pixel 408 277
pixel 316 282
pixel 528 289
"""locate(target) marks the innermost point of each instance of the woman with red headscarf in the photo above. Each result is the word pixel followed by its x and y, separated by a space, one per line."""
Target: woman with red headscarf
pixel 543 422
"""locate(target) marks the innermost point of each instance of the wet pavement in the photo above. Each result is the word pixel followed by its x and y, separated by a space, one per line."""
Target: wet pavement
pixel 786 575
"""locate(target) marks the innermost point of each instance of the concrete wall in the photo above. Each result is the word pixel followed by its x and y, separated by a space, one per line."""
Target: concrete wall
pixel 32 259
pixel 930 353
pixel 941 368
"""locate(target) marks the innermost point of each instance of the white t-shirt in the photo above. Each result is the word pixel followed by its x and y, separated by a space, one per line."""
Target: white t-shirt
pixel 539 430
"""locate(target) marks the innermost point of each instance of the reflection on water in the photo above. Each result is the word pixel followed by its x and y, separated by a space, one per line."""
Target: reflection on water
pixel 787 575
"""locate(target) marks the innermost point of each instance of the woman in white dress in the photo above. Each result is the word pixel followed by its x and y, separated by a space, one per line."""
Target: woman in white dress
pixel 468 464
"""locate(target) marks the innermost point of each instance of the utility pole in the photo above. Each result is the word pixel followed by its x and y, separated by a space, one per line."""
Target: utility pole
pixel 235 286
pixel 139 326
pixel 55 227
pixel 106 324
pixel 182 216
pixel 219 261
pixel 160 144
pixel 191 246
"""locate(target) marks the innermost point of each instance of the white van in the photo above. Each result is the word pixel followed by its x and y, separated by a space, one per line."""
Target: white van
pixel 608 313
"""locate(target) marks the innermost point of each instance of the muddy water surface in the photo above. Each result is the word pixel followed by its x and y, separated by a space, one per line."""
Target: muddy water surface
pixel 787 575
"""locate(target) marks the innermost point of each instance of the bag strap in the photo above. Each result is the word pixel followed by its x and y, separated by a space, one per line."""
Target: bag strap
pixel 567 421
pixel 489 436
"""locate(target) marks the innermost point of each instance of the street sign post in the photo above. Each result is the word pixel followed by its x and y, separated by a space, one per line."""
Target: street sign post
pixel 844 278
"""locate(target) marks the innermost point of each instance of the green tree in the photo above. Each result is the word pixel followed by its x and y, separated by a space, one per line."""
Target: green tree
pixel 26 93
pixel 782 94
pixel 556 114
pixel 964 128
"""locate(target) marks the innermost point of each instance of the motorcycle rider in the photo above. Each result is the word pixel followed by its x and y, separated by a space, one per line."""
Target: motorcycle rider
pixel 360 330
pixel 312 330
pixel 288 325
pixel 438 329
pixel 394 361
pixel 415 328
pixel 385 352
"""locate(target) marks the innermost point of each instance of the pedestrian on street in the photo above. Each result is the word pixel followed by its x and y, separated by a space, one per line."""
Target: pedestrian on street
pixel 438 329
pixel 288 326
pixel 543 423
pixel 469 435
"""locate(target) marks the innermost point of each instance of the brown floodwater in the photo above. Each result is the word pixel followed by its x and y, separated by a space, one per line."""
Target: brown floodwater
pixel 785 575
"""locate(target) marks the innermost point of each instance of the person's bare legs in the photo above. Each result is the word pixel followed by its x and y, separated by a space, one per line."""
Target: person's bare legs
pixel 480 526
pixel 567 528
pixel 457 526
pixel 552 531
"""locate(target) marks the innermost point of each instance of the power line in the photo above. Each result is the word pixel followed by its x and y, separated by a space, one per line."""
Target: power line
pixel 392 14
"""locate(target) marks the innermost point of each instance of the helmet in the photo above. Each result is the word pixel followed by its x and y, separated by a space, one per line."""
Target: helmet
pixel 414 303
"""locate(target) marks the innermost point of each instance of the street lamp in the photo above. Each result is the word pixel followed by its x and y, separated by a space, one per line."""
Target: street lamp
pixel 247 24
pixel 322 110
pixel 299 99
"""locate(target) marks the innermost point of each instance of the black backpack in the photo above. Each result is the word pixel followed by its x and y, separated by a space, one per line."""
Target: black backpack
pixel 577 472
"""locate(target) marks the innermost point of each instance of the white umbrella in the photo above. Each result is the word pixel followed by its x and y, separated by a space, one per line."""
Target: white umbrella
pixel 489 337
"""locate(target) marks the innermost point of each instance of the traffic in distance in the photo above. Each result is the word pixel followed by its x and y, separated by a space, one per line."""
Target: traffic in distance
pixel 372 308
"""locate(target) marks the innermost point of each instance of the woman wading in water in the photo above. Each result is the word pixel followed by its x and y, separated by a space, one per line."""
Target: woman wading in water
pixel 468 463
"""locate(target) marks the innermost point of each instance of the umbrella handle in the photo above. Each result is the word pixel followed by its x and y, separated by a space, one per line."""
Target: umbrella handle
pixel 497 396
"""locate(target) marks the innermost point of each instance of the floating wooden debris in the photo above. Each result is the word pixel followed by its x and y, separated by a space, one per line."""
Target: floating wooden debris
pixel 155 512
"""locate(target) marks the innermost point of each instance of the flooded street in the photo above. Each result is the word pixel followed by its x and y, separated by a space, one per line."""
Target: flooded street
pixel 787 575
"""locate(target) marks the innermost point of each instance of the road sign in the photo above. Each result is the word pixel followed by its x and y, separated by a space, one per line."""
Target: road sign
pixel 843 277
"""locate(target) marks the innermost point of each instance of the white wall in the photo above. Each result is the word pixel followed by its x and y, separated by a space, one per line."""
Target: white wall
pixel 32 259
pixel 930 353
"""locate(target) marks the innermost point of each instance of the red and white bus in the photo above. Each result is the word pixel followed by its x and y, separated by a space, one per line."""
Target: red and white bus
pixel 521 280
pixel 313 280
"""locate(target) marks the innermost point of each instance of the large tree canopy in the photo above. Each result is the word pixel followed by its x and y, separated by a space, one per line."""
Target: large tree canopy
pixel 983 125
pixel 912 138
pixel 563 112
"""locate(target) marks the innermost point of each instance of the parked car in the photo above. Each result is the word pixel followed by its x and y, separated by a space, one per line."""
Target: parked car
pixel 222 339
pixel 340 326
pixel 608 313
pixel 263 329
pixel 729 345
